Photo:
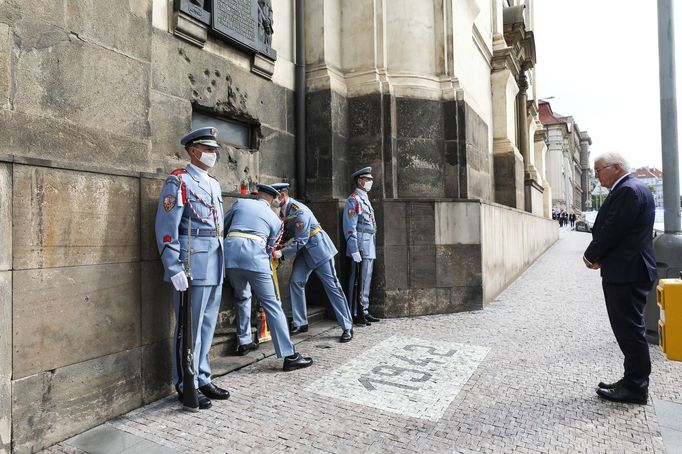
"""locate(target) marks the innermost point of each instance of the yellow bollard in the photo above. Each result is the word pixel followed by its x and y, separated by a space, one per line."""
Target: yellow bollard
pixel 669 300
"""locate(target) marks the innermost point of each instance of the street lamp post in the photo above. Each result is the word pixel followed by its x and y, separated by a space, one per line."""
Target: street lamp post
pixel 667 247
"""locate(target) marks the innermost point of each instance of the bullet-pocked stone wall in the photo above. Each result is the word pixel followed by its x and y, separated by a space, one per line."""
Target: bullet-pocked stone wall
pixel 93 102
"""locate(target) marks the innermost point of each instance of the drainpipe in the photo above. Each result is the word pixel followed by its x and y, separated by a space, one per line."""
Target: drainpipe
pixel 299 99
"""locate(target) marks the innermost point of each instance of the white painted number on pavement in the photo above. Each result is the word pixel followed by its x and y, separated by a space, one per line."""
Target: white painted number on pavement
pixel 412 377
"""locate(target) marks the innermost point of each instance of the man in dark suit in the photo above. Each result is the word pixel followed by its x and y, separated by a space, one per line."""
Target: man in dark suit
pixel 622 248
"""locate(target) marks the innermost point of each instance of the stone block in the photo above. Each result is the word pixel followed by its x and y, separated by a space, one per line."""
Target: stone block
pixel 50 406
pixel 5 65
pixel 424 301
pixel 68 218
pixel 396 303
pixel 5 216
pixel 61 76
pixel 157 321
pixel 420 168
pixel 458 265
pixel 91 311
pixel 169 119
pixel 451 129
pixel 5 325
pixel 421 223
pixel 55 140
pixel 15 12
pixel 460 299
pixel 458 223
pixel 395 267
pixel 394 220
pixel 277 155
pixel 150 188
pixel 156 370
pixel 5 415
pixel 5 360
pixel 422 266
pixel 365 115
pixel 123 26
pixel 419 119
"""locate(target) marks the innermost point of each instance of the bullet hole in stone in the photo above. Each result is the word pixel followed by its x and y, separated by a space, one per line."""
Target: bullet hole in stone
pixel 213 82
pixel 191 78
pixel 195 94
pixel 208 90
pixel 217 73
pixel 206 72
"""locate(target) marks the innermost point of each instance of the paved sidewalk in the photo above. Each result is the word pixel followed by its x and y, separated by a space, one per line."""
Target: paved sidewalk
pixel 518 376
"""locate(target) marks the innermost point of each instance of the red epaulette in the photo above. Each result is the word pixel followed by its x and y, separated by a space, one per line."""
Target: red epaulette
pixel 357 202
pixel 177 173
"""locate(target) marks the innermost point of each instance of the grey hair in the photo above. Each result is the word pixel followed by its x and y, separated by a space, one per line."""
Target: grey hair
pixel 613 158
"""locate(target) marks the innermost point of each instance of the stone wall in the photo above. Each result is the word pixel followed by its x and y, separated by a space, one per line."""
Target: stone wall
pixel 444 256
pixel 94 97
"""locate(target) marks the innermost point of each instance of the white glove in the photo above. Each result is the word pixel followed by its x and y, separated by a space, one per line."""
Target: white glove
pixel 357 258
pixel 180 281
pixel 277 254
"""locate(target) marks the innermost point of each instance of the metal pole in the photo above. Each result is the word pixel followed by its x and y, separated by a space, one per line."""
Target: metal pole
pixel 299 101
pixel 670 158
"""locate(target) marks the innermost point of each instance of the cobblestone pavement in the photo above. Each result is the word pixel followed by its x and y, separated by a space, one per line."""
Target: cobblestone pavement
pixel 518 376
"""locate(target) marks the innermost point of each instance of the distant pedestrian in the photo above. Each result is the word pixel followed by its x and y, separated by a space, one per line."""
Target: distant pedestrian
pixel 571 219
pixel 622 248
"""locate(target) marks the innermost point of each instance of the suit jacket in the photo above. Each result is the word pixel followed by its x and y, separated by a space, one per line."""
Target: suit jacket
pixel 622 235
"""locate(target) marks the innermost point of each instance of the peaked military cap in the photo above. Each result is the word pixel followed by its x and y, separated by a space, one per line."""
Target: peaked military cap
pixel 202 136
pixel 281 186
pixel 365 172
pixel 267 189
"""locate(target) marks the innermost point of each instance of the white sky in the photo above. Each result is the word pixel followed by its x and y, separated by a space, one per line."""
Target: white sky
pixel 599 59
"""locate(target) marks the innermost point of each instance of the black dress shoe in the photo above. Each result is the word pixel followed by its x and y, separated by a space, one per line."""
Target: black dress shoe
pixel 614 385
pixel 370 318
pixel 244 349
pixel 204 402
pixel 214 392
pixel 296 361
pixel 623 394
pixel 298 329
pixel 346 336
pixel 361 321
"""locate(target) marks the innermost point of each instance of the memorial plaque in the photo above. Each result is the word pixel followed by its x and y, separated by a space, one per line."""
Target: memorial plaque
pixel 237 20
pixel 245 23
pixel 195 9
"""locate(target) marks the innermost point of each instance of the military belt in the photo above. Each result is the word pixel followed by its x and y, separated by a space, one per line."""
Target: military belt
pixel 250 236
pixel 370 231
pixel 199 232
pixel 315 231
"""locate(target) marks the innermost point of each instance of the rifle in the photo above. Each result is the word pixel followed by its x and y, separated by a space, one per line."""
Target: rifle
pixel 357 295
pixel 190 399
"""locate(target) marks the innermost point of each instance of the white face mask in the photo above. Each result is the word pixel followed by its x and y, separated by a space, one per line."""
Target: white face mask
pixel 276 203
pixel 368 185
pixel 208 159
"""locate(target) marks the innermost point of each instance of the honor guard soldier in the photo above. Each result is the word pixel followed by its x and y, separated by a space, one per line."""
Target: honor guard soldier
pixel 312 250
pixel 190 213
pixel 253 230
pixel 359 228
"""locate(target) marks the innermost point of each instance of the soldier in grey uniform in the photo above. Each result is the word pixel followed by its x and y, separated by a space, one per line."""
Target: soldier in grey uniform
pixel 191 204
pixel 312 250
pixel 253 230
pixel 359 228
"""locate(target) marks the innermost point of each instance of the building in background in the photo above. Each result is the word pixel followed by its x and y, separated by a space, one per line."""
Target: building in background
pixel 653 178
pixel 437 96
pixel 568 161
